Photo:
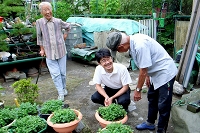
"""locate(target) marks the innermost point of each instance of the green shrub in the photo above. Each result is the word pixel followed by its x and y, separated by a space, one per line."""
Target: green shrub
pixel 25 90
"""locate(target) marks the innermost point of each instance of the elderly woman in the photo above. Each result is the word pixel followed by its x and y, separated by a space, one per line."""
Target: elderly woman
pixel 52 45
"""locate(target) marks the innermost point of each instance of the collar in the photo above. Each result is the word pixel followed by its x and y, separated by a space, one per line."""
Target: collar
pixel 46 21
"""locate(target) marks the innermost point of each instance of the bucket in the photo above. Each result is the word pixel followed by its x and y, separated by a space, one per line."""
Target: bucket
pixel 133 66
pixel 74 37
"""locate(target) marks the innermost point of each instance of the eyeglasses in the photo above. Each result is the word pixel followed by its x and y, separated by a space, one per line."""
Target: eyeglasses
pixel 105 59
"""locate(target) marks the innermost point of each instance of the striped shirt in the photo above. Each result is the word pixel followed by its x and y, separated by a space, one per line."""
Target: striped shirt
pixel 50 36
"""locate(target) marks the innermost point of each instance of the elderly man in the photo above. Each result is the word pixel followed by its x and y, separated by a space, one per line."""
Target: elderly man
pixel 52 45
pixel 157 67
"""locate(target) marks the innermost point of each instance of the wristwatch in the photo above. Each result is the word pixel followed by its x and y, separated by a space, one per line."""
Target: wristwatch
pixel 138 89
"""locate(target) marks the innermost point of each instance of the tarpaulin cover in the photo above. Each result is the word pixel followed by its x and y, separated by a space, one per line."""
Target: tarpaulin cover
pixel 91 25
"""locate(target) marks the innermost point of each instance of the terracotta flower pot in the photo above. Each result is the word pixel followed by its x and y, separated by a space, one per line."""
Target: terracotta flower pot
pixel 103 122
pixel 65 127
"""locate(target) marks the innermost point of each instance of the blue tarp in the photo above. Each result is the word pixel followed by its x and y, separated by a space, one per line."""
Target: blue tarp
pixel 90 25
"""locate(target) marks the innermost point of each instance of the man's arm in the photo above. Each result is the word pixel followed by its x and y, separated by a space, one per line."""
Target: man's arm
pixel 142 76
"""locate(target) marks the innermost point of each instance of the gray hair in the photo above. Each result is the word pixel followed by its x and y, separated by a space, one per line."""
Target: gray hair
pixel 44 3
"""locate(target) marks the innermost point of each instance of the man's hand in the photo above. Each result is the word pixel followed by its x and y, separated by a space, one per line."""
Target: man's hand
pixel 137 95
pixel 108 101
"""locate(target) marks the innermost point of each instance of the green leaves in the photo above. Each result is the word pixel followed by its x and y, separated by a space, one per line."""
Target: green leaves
pixel 6 116
pixel 63 116
pixel 112 113
pixel 29 124
pixel 116 128
pixel 50 106
pixel 25 90
pixel 26 109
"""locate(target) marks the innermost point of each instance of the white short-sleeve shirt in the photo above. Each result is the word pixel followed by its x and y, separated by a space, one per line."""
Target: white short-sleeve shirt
pixel 148 53
pixel 115 80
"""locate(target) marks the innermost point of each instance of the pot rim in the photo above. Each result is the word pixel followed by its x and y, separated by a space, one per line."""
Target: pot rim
pixel 101 120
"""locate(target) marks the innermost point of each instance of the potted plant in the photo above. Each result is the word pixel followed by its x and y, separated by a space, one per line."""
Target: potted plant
pixel 26 91
pixel 26 109
pixel 64 120
pixel 49 107
pixel 111 113
pixel 116 127
pixel 28 124
pixel 7 116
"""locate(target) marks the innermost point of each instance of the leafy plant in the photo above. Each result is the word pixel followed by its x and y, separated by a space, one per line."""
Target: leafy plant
pixel 26 109
pixel 63 116
pixel 116 128
pixel 25 90
pixel 29 124
pixel 12 9
pixel 7 116
pixel 50 106
pixel 112 112
pixel 3 130
pixel 61 11
pixel 108 7
pixel 3 43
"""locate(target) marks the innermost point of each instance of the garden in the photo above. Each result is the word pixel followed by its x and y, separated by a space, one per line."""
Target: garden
pixel 17 37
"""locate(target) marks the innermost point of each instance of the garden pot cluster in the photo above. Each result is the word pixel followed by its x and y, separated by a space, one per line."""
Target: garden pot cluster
pixel 58 116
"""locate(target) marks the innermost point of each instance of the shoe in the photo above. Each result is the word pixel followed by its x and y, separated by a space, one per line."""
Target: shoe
pixel 65 92
pixel 61 97
pixel 144 126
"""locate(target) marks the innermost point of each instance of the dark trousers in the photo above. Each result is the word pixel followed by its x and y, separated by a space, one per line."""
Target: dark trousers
pixel 123 100
pixel 160 101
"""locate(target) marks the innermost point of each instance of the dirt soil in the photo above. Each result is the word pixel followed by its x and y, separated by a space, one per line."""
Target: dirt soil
pixel 79 75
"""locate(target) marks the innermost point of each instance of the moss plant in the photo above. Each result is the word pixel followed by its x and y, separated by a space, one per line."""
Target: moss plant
pixel 112 112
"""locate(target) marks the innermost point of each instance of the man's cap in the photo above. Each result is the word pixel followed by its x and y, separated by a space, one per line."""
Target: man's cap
pixel 113 40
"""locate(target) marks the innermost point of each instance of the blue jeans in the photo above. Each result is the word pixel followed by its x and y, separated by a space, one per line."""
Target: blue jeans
pixel 160 101
pixel 57 69
pixel 123 100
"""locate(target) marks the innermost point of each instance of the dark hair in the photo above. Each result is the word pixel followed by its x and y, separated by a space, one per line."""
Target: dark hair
pixel 103 52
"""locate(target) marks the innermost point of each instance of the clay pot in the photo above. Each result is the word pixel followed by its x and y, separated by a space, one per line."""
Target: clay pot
pixel 103 122
pixel 65 127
